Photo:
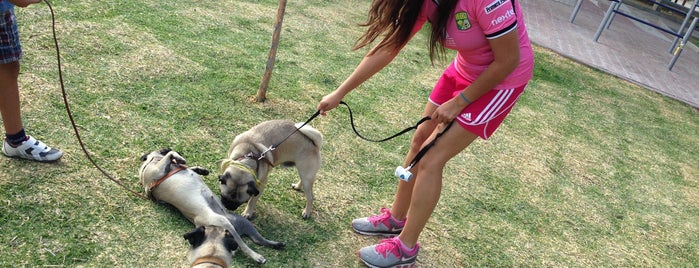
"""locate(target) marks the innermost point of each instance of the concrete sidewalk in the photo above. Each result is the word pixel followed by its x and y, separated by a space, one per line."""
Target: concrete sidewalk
pixel 628 49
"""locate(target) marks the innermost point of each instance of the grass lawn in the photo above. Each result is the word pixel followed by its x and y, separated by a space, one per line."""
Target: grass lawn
pixel 588 171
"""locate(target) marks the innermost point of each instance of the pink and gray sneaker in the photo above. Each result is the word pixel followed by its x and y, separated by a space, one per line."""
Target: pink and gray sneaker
pixel 391 252
pixel 383 224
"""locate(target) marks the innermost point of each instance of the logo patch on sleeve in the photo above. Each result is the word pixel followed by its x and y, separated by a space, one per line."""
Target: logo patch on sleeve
pixel 462 22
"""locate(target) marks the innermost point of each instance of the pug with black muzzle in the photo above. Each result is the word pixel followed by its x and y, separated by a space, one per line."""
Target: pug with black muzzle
pixel 250 160
pixel 165 178
pixel 212 247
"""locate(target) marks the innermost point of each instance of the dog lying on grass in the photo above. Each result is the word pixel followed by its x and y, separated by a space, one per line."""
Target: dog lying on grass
pixel 165 178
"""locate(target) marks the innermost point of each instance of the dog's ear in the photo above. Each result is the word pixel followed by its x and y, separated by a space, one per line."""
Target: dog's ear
pixel 252 189
pixel 200 170
pixel 195 237
pixel 262 148
pixel 229 242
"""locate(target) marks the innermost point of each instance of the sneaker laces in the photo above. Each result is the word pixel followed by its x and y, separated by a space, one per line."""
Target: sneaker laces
pixel 383 218
pixel 40 145
pixel 388 245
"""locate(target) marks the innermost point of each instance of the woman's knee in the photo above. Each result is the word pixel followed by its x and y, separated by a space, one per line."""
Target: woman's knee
pixel 417 143
pixel 432 164
pixel 421 135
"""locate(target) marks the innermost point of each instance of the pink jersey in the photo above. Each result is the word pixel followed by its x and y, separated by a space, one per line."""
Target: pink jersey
pixel 472 23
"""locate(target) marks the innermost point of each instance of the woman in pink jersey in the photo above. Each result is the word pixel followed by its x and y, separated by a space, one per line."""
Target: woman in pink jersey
pixel 493 65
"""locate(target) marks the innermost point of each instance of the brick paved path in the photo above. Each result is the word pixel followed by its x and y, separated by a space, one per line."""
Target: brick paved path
pixel 628 49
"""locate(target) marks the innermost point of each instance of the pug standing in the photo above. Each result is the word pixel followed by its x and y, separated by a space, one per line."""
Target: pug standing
pixel 254 153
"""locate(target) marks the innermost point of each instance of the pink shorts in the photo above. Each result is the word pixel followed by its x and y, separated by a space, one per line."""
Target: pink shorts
pixel 484 115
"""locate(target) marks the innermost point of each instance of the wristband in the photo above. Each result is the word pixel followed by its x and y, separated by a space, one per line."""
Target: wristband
pixel 464 97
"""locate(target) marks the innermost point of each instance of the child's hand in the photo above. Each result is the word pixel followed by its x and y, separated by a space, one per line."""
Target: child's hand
pixel 24 3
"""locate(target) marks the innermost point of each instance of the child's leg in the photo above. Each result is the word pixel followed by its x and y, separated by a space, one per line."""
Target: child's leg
pixel 9 98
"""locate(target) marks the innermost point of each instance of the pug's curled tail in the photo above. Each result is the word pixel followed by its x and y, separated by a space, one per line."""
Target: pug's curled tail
pixel 313 134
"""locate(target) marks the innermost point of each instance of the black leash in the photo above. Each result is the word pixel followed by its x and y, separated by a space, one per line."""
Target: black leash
pixel 423 151
pixel 402 173
pixel 354 128
pixel 381 140
pixel 274 146
pixel 70 114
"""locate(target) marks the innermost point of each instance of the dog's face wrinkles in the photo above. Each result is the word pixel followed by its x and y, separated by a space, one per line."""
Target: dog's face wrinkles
pixel 211 241
pixel 237 187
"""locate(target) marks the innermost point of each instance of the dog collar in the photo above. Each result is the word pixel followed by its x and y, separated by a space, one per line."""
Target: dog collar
pixel 161 180
pixel 258 157
pixel 226 163
pixel 209 259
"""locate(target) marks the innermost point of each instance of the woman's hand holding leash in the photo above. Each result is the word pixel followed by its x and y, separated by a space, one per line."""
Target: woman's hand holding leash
pixel 446 112
pixel 330 101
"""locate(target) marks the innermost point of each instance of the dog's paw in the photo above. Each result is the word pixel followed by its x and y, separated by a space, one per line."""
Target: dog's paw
pixel 306 214
pixel 259 258
pixel 248 212
pixel 297 187
pixel 247 215
pixel 176 158
pixel 278 245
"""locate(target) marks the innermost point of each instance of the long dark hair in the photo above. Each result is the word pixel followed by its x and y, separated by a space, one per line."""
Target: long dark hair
pixel 394 19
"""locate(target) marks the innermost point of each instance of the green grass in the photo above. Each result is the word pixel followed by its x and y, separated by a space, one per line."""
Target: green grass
pixel 588 171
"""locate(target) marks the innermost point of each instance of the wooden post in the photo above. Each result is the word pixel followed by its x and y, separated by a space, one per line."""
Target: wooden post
pixel 262 91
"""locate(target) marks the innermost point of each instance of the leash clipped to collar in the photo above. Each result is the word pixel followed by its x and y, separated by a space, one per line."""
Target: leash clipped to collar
pixel 274 146
pixel 354 128
pixel 401 172
pixel 257 157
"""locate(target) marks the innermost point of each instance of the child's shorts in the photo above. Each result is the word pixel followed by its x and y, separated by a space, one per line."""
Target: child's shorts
pixel 10 48
pixel 483 116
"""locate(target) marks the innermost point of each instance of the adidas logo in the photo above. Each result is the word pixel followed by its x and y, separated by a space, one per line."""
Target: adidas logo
pixel 466 116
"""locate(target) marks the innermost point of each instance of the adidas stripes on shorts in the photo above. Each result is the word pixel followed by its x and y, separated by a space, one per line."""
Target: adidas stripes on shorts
pixel 483 116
